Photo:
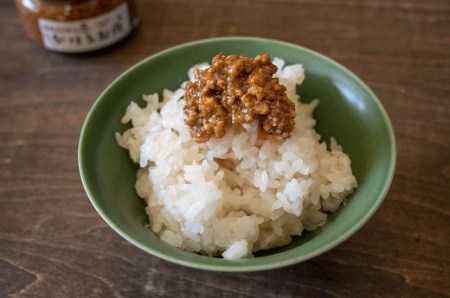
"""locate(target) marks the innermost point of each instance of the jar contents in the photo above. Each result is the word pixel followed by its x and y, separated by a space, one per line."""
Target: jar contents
pixel 236 90
pixel 77 26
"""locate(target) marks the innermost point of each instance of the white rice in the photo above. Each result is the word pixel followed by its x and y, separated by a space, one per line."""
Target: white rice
pixel 238 194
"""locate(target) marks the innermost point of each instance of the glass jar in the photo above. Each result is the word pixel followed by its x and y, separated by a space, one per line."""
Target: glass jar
pixel 77 26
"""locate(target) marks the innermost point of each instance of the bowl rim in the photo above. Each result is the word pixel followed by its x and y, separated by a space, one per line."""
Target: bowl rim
pixel 225 267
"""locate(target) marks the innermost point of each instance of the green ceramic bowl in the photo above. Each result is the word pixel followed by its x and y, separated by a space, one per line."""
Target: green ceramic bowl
pixel 348 111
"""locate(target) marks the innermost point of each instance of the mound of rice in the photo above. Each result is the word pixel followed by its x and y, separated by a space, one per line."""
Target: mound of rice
pixel 238 194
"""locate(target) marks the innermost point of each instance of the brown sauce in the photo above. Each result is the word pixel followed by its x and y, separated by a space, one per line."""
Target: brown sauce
pixel 236 90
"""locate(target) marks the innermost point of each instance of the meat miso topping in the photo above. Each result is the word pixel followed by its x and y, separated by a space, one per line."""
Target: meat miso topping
pixel 236 90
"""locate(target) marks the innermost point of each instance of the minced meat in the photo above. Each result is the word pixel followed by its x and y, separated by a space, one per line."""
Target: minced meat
pixel 237 90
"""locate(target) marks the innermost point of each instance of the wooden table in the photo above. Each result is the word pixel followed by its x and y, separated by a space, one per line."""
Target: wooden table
pixel 54 244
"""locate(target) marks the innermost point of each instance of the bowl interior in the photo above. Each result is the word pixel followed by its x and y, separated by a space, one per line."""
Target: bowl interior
pixel 348 110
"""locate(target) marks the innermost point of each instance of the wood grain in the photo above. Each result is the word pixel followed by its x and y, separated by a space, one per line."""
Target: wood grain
pixel 54 244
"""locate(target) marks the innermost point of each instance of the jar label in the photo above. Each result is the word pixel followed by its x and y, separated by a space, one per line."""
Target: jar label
pixel 87 34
